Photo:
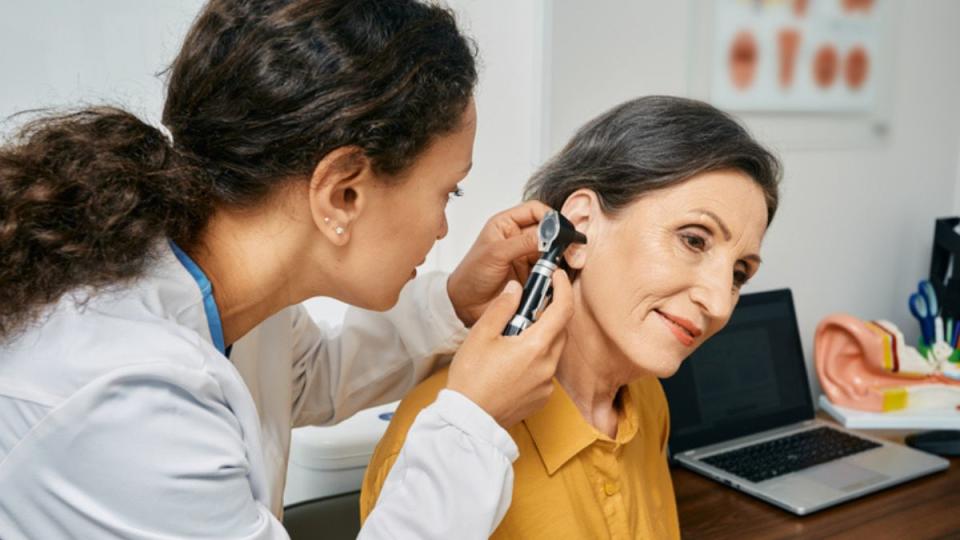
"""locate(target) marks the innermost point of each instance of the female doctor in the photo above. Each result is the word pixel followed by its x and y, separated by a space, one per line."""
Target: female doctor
pixel 154 354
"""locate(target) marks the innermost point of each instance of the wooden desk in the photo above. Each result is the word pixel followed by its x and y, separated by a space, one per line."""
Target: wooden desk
pixel 921 509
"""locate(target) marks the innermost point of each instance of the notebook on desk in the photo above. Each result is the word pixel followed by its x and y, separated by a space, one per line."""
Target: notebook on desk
pixel 741 413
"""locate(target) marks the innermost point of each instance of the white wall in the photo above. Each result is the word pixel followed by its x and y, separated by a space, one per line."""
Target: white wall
pixel 855 225
pixel 508 35
pixel 63 53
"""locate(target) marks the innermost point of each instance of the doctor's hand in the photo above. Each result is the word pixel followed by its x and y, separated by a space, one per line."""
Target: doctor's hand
pixel 505 249
pixel 510 377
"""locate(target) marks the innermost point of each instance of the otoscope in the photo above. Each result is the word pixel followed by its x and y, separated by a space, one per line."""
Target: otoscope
pixel 555 233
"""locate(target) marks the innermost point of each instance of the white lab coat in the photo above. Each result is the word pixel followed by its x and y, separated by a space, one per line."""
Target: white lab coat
pixel 120 419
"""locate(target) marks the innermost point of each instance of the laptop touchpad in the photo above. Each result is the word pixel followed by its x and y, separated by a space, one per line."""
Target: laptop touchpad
pixel 844 476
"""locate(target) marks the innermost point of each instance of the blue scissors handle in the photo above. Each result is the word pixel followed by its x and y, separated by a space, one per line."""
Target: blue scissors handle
pixel 926 290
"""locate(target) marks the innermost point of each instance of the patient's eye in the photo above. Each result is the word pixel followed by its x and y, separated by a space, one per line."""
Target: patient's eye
pixel 739 278
pixel 694 241
pixel 456 192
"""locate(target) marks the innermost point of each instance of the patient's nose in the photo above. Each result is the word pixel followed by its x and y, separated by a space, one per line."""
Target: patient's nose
pixel 713 293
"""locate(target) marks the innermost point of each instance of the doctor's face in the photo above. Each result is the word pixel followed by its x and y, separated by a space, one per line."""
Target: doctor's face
pixel 663 275
pixel 410 213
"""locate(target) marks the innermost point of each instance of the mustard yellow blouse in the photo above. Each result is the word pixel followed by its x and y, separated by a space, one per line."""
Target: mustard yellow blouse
pixel 571 481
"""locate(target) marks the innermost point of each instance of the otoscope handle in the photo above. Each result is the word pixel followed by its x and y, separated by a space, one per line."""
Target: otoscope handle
pixel 535 293
pixel 514 328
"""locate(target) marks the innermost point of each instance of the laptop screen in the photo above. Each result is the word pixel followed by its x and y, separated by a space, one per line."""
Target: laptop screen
pixel 748 378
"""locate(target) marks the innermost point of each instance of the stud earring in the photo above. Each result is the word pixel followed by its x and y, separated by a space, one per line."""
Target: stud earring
pixel 338 229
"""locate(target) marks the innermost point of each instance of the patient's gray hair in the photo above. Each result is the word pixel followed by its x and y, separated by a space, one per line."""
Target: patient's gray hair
pixel 652 143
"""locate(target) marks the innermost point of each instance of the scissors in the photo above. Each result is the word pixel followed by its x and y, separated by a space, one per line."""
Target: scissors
pixel 925 288
pixel 920 311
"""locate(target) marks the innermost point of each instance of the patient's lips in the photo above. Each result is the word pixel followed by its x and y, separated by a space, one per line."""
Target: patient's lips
pixel 685 331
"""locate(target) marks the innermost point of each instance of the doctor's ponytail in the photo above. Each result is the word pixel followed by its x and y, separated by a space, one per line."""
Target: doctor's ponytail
pixel 259 93
pixel 82 198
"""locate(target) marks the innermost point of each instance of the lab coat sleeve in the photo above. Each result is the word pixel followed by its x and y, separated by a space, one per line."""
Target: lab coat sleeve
pixel 453 477
pixel 145 453
pixel 372 358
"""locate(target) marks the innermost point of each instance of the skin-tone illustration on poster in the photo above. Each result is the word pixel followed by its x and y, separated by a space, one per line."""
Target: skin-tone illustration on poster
pixel 796 55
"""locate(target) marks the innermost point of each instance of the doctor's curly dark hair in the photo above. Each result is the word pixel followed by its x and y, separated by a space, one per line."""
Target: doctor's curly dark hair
pixel 260 91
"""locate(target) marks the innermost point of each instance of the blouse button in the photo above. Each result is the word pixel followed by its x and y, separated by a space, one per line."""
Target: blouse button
pixel 610 488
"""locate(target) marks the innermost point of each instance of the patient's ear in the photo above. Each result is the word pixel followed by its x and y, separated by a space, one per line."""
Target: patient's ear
pixel 582 208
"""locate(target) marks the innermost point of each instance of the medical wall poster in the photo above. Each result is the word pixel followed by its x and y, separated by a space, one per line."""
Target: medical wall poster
pixel 797 55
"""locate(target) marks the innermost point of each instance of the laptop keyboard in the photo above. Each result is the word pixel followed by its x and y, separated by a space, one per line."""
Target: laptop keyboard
pixel 777 457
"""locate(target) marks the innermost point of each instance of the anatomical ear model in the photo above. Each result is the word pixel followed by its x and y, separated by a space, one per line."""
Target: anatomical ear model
pixel 867 366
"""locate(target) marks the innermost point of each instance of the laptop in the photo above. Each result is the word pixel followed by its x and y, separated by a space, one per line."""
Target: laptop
pixel 741 413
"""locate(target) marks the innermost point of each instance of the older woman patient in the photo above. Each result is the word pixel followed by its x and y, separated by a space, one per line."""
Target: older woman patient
pixel 674 197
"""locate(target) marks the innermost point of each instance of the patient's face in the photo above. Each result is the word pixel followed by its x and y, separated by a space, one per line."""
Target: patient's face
pixel 664 274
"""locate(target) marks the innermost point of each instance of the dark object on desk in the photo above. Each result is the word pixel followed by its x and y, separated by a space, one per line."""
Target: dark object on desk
pixel 944 262
pixel 946 256
pixel 942 443
pixel 741 414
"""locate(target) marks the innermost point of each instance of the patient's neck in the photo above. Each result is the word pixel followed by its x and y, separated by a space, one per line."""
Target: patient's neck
pixel 592 371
